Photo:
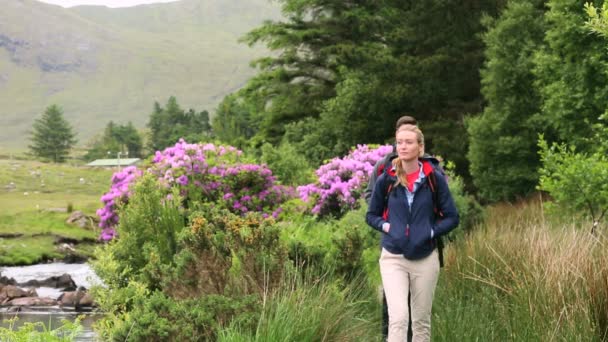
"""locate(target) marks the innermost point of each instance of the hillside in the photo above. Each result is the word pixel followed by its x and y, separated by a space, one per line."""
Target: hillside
pixel 101 64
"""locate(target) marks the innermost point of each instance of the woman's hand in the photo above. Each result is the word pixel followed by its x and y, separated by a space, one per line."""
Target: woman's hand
pixel 386 227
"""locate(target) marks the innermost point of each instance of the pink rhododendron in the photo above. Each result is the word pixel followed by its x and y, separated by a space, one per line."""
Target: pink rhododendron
pixel 202 171
pixel 341 182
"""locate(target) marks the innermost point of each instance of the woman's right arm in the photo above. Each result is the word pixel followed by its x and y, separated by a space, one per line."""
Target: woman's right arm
pixel 373 217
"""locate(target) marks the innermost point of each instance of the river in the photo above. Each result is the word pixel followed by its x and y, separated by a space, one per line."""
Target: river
pixel 82 274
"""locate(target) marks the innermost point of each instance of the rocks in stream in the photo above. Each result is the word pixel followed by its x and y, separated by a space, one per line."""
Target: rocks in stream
pixel 63 281
pixel 15 295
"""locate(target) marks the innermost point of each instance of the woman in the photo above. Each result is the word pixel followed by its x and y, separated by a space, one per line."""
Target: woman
pixel 402 208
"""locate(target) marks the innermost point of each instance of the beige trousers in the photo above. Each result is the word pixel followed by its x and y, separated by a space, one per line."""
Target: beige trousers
pixel 420 277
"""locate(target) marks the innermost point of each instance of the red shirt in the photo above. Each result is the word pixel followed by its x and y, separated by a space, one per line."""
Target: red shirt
pixel 412 178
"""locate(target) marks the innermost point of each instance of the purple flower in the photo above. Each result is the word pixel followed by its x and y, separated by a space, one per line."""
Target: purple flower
pixel 214 170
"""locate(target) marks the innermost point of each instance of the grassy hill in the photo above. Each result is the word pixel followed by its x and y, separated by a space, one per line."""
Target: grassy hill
pixel 101 64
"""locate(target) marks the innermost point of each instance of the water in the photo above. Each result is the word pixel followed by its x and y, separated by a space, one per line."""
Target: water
pixel 82 274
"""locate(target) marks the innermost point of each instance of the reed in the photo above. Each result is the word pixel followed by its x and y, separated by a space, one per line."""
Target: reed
pixel 523 276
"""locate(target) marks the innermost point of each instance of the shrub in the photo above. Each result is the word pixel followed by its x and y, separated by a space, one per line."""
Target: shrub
pixel 341 182
pixel 172 278
pixel 577 182
pixel 202 173
pixel 287 163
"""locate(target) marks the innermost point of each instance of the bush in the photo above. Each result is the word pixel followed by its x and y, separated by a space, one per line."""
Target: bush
pixel 577 182
pixel 287 164
pixel 341 182
pixel 158 317
pixel 172 278
pixel 202 173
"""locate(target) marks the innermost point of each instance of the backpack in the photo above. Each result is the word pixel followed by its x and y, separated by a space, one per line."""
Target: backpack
pixel 387 168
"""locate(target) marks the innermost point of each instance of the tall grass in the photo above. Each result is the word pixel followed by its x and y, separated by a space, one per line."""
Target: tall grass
pixel 309 308
pixel 524 277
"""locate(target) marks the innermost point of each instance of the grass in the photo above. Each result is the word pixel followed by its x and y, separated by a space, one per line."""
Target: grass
pixel 40 332
pixel 34 198
pixel 522 277
pixel 314 309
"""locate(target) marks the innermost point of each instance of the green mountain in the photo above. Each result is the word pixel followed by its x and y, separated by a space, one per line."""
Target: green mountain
pixel 101 64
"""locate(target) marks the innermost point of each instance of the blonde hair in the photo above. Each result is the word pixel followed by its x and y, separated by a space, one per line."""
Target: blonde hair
pixel 400 171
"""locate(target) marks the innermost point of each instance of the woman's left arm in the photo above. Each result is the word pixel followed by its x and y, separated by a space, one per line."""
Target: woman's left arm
pixel 450 218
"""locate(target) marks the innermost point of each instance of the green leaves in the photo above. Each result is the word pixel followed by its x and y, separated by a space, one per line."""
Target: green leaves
pixel 578 182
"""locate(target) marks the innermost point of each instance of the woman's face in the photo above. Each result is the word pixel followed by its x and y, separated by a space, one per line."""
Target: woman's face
pixel 408 147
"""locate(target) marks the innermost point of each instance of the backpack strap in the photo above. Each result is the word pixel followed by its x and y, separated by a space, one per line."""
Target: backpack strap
pixel 438 213
pixel 390 185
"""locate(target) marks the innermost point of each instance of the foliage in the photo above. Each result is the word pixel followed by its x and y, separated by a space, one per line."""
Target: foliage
pixel 153 272
pixel 39 332
pixel 491 290
pixel 158 317
pixel 597 18
pixel 52 136
pixel 343 72
pixel 502 149
pixel 232 122
pixel 470 211
pixel 116 138
pixel 311 308
pixel 341 181
pixel 171 123
pixel 289 166
pixel 205 173
pixel 578 182
pixel 571 76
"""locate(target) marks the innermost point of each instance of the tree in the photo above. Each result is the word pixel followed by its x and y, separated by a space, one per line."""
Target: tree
pixel 116 138
pixel 571 76
pixel 52 136
pixel 351 68
pixel 503 149
pixel 169 124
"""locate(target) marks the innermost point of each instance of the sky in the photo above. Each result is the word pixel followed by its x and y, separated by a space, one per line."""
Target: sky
pixel 109 3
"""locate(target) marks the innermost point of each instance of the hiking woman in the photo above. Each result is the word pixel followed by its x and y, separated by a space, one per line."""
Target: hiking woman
pixel 412 206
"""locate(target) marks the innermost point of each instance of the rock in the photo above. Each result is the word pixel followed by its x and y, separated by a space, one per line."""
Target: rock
pixel 62 281
pixel 65 248
pixel 76 298
pixel 11 291
pixel 32 301
pixel 7 281
pixel 81 220
pixel 87 300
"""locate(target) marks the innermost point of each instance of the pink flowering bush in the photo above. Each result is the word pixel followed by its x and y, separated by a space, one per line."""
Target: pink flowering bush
pixel 342 181
pixel 202 173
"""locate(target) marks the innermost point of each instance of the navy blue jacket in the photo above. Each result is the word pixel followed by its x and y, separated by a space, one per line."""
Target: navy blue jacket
pixel 410 227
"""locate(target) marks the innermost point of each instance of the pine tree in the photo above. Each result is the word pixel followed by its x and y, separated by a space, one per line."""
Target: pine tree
pixel 52 136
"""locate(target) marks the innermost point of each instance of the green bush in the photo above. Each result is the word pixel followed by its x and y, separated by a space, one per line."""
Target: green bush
pixel 158 317
pixel 169 278
pixel 577 182
pixel 470 211
pixel 290 166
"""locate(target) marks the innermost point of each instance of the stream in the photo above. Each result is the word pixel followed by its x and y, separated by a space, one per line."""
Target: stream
pixel 82 274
